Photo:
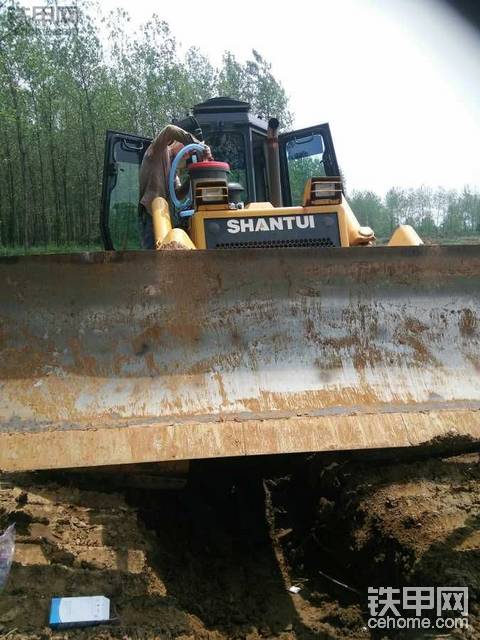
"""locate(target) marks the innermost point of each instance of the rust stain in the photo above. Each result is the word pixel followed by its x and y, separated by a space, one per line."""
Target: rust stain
pixel 361 319
pixel 467 323
pixel 236 337
pixel 413 325
pixel 118 363
pixel 143 341
pixel 367 356
pixel 359 341
pixel 412 333
pixel 20 362
pixel 422 354
pixel 151 364
pixel 55 405
pixel 323 341
pixel 221 388
pixel 326 362
pixel 263 333
pixel 83 360
pixel 184 328
pixel 308 401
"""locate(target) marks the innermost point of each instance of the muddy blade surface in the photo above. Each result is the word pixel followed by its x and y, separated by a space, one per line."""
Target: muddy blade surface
pixel 124 358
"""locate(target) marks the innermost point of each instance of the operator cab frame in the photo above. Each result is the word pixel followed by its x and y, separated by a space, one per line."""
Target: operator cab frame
pixel 235 136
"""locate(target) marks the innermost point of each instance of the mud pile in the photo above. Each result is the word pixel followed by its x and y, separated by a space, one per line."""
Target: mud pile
pixel 215 560
pixel 380 523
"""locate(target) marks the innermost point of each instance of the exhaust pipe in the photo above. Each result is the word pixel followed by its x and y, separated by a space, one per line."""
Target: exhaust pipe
pixel 273 162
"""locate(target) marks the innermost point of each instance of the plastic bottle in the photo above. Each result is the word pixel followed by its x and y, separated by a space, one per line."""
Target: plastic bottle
pixel 7 549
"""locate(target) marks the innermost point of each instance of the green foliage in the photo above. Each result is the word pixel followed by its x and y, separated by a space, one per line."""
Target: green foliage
pixel 299 171
pixel 124 225
pixel 255 83
pixel 60 89
pixel 371 212
pixel 435 214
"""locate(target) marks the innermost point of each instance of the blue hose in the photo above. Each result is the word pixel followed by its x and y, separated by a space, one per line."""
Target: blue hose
pixel 187 201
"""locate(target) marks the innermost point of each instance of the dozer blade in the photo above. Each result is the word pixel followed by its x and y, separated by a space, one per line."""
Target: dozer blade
pixel 114 358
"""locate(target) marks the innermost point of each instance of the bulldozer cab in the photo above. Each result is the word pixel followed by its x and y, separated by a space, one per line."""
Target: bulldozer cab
pixel 234 136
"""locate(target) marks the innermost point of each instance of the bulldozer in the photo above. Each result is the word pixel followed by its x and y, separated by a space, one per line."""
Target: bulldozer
pixel 285 329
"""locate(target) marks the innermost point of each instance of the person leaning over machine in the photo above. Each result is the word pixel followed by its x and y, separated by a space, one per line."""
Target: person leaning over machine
pixel 153 208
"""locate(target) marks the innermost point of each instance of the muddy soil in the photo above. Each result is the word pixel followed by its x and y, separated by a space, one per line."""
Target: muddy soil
pixel 215 560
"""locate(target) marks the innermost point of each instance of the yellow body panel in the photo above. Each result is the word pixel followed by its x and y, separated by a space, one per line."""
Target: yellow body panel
pixel 162 223
pixel 165 236
pixel 176 239
pixel 321 195
pixel 405 236
pixel 351 232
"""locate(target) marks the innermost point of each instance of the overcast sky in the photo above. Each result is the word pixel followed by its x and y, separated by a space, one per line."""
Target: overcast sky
pixel 398 80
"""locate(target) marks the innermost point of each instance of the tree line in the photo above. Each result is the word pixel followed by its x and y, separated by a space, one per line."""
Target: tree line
pixel 62 86
pixel 436 214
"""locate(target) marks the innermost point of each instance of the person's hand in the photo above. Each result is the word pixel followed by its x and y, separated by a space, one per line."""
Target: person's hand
pixel 207 153
pixel 173 148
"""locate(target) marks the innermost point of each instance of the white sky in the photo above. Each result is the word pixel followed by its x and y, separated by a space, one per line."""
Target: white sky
pixel 398 80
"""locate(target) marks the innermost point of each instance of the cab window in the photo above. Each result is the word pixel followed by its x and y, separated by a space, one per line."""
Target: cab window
pixel 229 146
pixel 304 160
pixel 119 211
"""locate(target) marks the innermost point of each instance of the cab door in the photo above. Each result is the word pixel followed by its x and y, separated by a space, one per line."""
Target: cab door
pixel 119 208
pixel 304 154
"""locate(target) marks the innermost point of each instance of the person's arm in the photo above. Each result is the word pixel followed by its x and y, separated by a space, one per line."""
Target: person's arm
pixel 170 134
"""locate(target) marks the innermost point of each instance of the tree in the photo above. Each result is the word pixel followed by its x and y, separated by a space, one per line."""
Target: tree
pixel 60 89
pixel 255 83
pixel 372 212
pixel 299 171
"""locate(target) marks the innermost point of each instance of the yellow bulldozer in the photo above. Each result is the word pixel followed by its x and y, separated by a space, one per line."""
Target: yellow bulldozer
pixel 285 331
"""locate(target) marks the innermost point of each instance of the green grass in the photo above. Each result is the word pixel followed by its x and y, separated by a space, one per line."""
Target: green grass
pixel 49 249
pixel 458 240
pixel 79 248
pixel 432 240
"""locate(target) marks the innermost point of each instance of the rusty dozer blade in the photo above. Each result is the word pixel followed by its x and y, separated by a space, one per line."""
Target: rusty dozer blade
pixel 114 358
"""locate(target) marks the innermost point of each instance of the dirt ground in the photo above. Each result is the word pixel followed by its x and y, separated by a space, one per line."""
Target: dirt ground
pixel 214 560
